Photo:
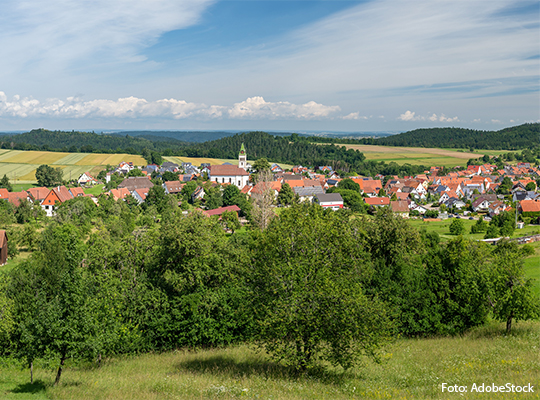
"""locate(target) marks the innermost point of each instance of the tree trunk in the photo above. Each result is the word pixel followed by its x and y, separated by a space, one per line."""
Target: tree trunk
pixel 509 322
pixel 31 372
pixel 57 380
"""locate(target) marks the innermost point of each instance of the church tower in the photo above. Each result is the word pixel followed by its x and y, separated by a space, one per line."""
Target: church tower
pixel 242 158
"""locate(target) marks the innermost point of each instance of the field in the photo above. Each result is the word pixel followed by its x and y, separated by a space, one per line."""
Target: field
pixel 20 166
pixel 214 161
pixel 412 369
pixel 420 155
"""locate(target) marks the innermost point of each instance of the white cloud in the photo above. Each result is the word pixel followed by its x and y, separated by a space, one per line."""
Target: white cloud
pixel 256 108
pixel 133 107
pixel 411 116
pixel 60 34
pixel 354 116
pixel 476 120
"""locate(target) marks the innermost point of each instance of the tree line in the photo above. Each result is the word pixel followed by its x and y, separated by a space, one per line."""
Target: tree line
pixel 315 285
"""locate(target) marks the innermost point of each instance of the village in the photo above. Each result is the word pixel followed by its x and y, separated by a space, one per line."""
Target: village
pixel 478 190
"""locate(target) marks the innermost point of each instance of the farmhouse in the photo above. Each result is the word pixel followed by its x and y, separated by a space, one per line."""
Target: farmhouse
pixel 86 179
pixel 136 182
pixel 57 195
pixel 329 200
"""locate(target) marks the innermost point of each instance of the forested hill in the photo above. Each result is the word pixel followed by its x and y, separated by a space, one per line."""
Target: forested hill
pixel 513 138
pixel 283 149
pixel 88 142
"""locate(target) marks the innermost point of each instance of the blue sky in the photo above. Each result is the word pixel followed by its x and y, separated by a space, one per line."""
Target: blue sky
pixel 384 65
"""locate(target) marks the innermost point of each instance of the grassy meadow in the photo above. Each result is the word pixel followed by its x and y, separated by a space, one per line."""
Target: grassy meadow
pixel 412 369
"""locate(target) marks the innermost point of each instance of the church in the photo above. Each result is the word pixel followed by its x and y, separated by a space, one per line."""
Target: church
pixel 232 174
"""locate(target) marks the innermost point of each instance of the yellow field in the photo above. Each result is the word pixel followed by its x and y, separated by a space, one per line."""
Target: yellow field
pixel 418 155
pixel 20 166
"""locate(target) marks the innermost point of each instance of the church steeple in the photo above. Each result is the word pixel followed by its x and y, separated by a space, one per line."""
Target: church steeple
pixel 242 158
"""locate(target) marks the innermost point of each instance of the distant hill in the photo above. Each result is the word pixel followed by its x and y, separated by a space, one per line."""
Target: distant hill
pixel 87 142
pixel 513 138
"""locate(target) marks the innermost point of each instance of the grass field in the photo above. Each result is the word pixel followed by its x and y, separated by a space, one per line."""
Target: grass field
pixel 214 161
pixel 420 155
pixel 413 369
pixel 20 166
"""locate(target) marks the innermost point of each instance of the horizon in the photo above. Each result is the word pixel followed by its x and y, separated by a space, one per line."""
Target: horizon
pixel 304 65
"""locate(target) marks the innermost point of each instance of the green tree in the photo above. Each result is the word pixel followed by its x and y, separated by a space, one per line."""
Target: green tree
pixel 51 297
pixel 156 196
pixel 135 172
pixel 286 195
pixel 457 227
pixel 4 183
pixel 49 176
pixel 512 296
pixel 230 195
pixel 480 226
pixel 212 197
pixel 261 165
pixel 187 191
pixel 168 176
pixel 309 299
pixel 229 219
pixel 531 186
pixel 349 184
pixel 492 232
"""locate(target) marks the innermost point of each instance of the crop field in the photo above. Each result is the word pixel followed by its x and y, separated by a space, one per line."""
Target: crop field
pixel 420 155
pixel 214 161
pixel 20 166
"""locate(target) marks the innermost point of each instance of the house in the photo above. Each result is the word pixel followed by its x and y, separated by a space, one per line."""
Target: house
pixel 308 193
pixel 260 187
pixel 275 168
pixel 4 194
pixel 530 207
pixel 329 200
pixel 124 167
pixel 228 174
pixel 3 247
pixel 221 210
pixel 496 208
pixel 140 194
pixel 86 179
pixel 377 201
pixel 481 204
pixel 119 193
pixel 37 194
pixel 197 194
pixel 56 196
pixel 16 197
pixel 524 195
pixel 136 182
pixel 400 207
pixel 173 187
pixel 77 192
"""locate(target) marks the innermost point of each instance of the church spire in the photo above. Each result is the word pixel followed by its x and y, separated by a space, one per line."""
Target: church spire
pixel 242 158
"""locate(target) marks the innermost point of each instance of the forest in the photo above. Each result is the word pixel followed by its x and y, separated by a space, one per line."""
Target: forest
pixel 519 137
pixel 314 286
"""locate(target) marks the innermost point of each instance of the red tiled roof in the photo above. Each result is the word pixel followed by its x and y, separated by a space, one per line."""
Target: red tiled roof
pixel 377 201
pixel 227 170
pixel 15 197
pixel 221 210
pixel 530 205
pixel 39 193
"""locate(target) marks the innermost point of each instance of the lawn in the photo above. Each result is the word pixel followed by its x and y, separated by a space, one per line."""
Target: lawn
pixel 532 267
pixel 443 228
pixel 412 369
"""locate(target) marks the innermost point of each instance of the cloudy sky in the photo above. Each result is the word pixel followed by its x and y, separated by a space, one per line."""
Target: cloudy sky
pixel 381 65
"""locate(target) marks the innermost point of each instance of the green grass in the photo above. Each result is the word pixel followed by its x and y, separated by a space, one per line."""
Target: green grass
pixel 443 228
pixel 412 369
pixel 95 190
pixel 532 267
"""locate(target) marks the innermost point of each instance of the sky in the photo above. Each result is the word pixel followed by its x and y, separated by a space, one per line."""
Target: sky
pixel 291 65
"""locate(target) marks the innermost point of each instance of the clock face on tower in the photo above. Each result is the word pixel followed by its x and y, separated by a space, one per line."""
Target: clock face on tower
pixel 242 152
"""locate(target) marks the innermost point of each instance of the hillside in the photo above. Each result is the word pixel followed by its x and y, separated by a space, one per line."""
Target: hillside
pixel 513 138
pixel 86 142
